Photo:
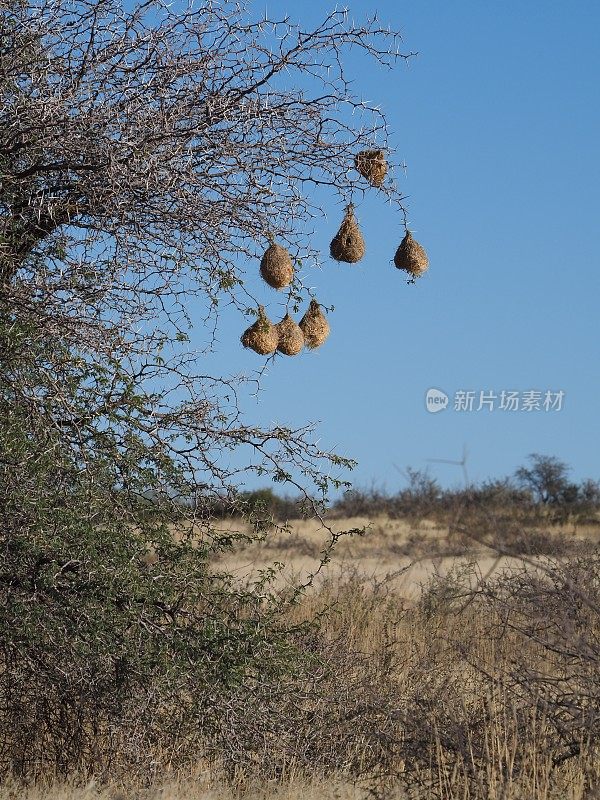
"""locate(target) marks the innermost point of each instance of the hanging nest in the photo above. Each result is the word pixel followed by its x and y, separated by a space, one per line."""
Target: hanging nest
pixel 411 257
pixel 291 338
pixel 276 267
pixel 314 326
pixel 262 336
pixel 372 165
pixel 348 244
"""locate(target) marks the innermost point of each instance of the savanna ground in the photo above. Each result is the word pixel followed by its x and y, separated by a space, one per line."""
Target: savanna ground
pixel 406 555
pixel 447 666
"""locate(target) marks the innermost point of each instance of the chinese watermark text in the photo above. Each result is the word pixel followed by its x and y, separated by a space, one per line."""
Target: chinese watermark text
pixel 487 400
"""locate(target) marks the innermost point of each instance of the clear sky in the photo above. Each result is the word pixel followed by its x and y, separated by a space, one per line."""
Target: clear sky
pixel 498 121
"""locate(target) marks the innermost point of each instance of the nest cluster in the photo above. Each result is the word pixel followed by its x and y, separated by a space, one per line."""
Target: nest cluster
pixel 348 246
pixel 287 336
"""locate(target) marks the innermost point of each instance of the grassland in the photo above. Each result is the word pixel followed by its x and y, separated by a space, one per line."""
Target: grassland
pixel 453 671
pixel 407 555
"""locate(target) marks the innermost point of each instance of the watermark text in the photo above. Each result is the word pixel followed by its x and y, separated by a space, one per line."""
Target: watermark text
pixel 488 400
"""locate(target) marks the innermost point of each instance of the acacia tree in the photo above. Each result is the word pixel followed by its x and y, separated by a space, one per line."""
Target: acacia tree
pixel 147 155
pixel 547 480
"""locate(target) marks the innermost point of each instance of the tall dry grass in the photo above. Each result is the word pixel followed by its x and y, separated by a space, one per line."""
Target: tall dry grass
pixel 485 688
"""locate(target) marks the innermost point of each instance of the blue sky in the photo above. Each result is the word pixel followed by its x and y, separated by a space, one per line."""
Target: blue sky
pixel 498 122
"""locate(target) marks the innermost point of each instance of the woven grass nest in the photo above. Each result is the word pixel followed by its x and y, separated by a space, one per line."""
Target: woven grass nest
pixel 348 244
pixel 314 326
pixel 411 257
pixel 276 267
pixel 372 165
pixel 290 337
pixel 262 336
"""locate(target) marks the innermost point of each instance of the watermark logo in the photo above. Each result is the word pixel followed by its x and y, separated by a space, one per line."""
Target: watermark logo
pixel 435 400
pixel 487 400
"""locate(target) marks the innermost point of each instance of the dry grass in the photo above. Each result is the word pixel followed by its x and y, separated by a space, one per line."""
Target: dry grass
pixel 418 683
pixel 207 787
pixel 407 554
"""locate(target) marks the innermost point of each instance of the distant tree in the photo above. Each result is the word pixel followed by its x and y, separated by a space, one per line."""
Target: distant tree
pixel 422 495
pixel 422 485
pixel 546 478
pixel 589 493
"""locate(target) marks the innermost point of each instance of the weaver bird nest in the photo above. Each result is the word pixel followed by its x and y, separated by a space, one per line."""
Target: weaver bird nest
pixel 372 165
pixel 348 244
pixel 262 337
pixel 411 257
pixel 314 326
pixel 291 338
pixel 276 267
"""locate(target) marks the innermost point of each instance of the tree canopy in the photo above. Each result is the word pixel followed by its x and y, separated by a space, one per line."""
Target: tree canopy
pixel 148 153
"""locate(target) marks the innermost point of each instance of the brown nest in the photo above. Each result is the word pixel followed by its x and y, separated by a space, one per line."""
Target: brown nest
pixel 372 165
pixel 411 257
pixel 276 267
pixel 262 336
pixel 291 338
pixel 348 244
pixel 314 326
